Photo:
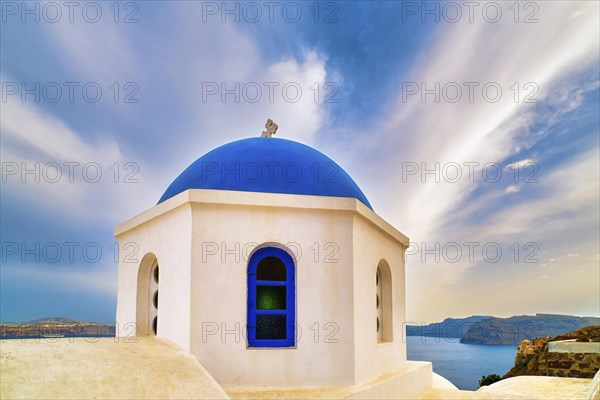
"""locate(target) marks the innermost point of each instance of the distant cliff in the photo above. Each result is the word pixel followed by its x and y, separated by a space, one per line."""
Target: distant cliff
pixel 515 329
pixel 54 327
pixel 533 358
pixel 449 328
pixel 479 329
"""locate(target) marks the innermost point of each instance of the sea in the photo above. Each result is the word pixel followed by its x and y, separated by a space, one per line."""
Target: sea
pixel 462 364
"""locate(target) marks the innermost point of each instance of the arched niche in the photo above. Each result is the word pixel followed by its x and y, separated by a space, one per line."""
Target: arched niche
pixel 147 296
pixel 383 302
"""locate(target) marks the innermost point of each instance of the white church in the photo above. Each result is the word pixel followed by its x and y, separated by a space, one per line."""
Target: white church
pixel 266 262
pixel 265 274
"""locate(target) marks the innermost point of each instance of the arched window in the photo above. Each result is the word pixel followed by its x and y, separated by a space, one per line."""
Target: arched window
pixel 271 299
pixel 378 296
pixel 383 302
pixel 153 299
pixel 147 301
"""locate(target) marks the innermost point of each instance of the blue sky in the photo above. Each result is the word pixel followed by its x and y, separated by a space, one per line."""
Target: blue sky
pixel 367 57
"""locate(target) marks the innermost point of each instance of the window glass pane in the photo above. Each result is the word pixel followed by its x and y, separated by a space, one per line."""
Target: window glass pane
pixel 270 326
pixel 270 269
pixel 270 297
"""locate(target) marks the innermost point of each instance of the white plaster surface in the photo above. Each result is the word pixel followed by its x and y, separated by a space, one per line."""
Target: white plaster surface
pixel 539 387
pixel 406 383
pixel 594 388
pixel 440 382
pixel 571 346
pixel 203 239
pixel 100 368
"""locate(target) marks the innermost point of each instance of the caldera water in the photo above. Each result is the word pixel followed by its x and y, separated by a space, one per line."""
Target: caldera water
pixel 462 364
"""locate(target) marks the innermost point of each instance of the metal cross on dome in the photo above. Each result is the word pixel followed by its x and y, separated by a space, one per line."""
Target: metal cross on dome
pixel 271 129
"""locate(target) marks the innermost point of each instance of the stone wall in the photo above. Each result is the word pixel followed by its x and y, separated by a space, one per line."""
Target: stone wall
pixel 573 359
pixel 575 354
pixel 562 358
pixel 574 365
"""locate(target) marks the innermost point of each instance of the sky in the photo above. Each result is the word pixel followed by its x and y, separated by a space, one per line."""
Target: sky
pixel 472 128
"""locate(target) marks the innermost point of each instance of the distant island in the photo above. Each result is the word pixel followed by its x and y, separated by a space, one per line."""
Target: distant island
pixel 453 328
pixel 476 329
pixel 54 327
pixel 493 330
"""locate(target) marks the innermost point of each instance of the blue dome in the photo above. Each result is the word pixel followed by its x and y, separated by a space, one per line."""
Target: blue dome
pixel 267 165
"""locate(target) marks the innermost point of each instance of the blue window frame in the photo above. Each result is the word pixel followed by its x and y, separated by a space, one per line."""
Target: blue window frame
pixel 271 299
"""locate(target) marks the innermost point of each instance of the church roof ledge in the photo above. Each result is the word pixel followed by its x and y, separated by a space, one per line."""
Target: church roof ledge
pixel 258 199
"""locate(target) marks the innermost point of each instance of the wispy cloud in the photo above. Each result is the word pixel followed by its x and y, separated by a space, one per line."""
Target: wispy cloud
pixel 480 131
pixel 73 176
pixel 173 69
pixel 551 55
pixel 99 52
pixel 174 59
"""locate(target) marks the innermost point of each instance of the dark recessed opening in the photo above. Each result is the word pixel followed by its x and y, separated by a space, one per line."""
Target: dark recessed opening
pixel 270 269
pixel 155 274
pixel 270 326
